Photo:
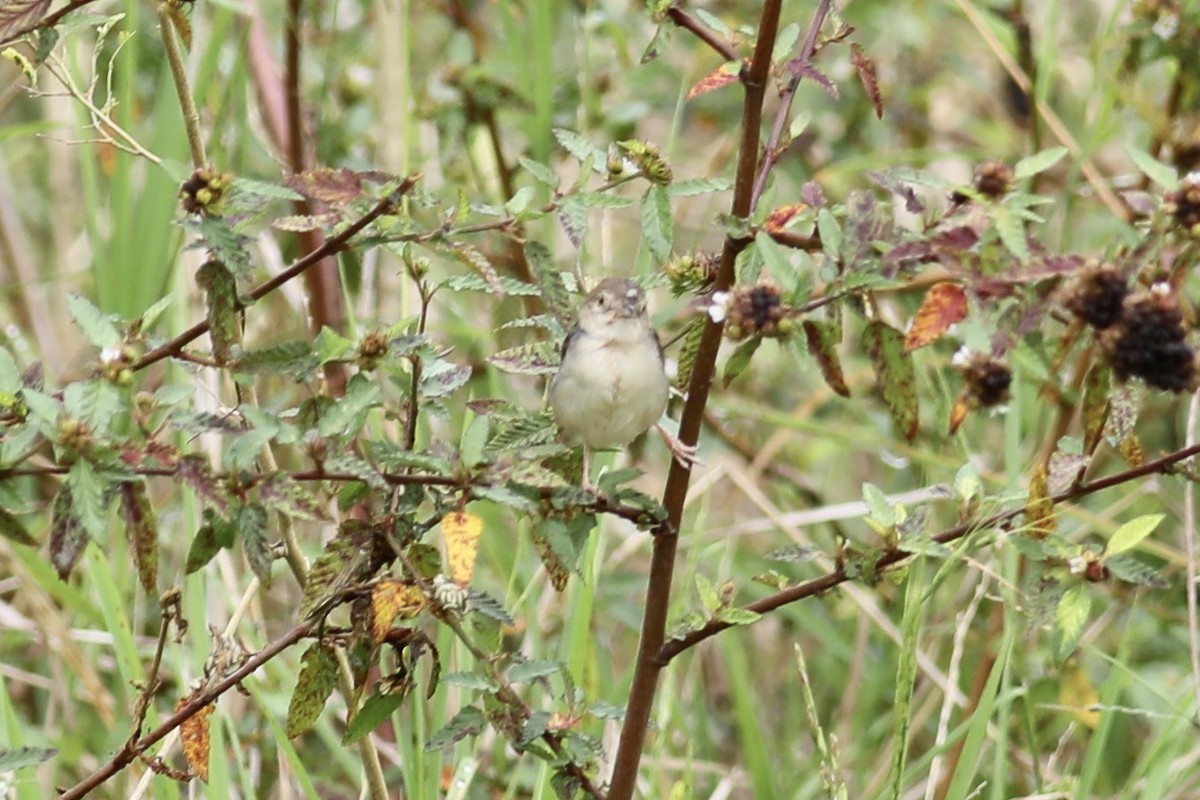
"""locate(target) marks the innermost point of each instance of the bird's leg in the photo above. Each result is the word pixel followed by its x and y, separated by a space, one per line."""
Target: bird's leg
pixel 587 470
pixel 684 454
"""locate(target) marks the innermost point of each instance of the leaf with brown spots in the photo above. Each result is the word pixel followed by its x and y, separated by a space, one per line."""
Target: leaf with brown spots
pixel 332 186
pixel 141 530
pixel 778 219
pixel 391 599
pixel 461 532
pixel 896 376
pixel 723 75
pixel 194 734
pixel 945 304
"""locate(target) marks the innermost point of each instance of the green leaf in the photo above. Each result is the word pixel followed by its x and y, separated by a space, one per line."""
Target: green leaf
pixel 658 44
pixel 468 680
pixel 657 226
pixel 251 526
pixel 467 722
pixel 878 506
pixel 221 299
pixel 896 375
pixel 542 173
pixel 707 593
pixel 348 413
pixel 732 615
pixel 740 359
pixel 1162 174
pixel 1011 230
pixel 1038 162
pixel 581 148
pixel 1131 533
pixel 532 670
pixel 332 346
pixel 1071 615
pixel 572 215
pixel 830 233
pixel 696 186
pixel 318 677
pixel 215 533
pixel 1131 570
pixel 21 757
pixel 377 708
pixel 98 328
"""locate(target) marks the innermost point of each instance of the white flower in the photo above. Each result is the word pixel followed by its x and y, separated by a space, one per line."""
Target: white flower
pixel 718 307
pixel 1167 26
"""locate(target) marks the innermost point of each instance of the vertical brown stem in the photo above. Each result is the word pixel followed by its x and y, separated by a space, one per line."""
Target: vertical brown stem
pixel 662 559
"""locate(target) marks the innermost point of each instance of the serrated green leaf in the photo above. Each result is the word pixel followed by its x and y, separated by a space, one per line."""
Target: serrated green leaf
pixel 98 328
pixel 707 593
pixel 215 533
pixel 1162 174
pixel 1071 615
pixel 68 536
pixel 573 218
pixel 732 615
pixel 739 359
pixel 21 757
pixel 467 722
pixel 580 148
pixel 251 527
pixel 541 172
pixel 1129 569
pixel 658 43
pixel 606 200
pixel 317 679
pixel 831 234
pixel 532 670
pixel 878 506
pixel 697 186
pixel 1038 162
pixel 1131 533
pixel 348 413
pixel 468 680
pixel 332 346
pixel 1011 229
pixel 221 300
pixel 263 189
pixel 657 226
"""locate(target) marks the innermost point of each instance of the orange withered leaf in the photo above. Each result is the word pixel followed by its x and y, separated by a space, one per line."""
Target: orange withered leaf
pixel 944 305
pixel 723 75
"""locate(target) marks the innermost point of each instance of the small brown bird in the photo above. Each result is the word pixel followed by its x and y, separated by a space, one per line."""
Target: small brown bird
pixel 611 386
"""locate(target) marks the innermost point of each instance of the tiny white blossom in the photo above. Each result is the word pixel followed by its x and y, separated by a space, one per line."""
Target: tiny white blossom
pixel 719 307
pixel 962 357
pixel 1167 26
pixel 1077 565
pixel 110 354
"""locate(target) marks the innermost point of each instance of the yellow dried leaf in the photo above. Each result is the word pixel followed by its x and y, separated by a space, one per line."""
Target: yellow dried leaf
pixel 391 599
pixel 1039 510
pixel 194 735
pixel 461 532
pixel 1077 694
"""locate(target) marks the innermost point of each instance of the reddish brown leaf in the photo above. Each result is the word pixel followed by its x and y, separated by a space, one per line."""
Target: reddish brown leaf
pixel 822 345
pixel 944 305
pixel 867 77
pixel 18 15
pixel 778 219
pixel 723 75
pixel 194 736
pixel 333 186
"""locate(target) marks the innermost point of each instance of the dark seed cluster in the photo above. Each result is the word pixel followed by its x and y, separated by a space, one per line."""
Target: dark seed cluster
pixel 203 190
pixel 1150 342
pixel 1097 294
pixel 1183 203
pixel 993 178
pixel 757 309
pixel 987 381
pixel 692 272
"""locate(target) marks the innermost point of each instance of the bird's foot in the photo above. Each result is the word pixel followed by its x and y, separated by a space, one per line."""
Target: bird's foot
pixel 684 454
